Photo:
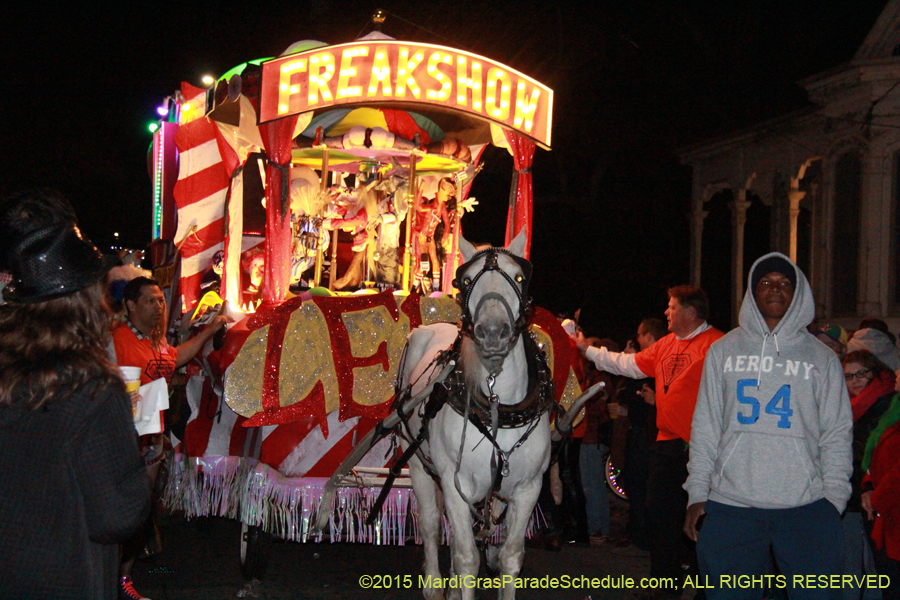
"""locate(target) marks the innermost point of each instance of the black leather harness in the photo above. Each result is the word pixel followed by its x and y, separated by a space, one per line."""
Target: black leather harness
pixel 539 399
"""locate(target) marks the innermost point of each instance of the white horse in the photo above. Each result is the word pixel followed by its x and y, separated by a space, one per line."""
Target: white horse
pixel 468 468
pixel 473 405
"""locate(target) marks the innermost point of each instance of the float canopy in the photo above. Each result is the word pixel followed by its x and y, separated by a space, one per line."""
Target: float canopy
pixel 462 92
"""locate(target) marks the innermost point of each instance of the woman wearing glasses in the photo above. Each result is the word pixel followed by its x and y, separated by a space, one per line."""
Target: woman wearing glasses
pixel 870 384
pixel 868 379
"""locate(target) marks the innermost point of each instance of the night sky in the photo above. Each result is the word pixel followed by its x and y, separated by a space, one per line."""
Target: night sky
pixel 634 80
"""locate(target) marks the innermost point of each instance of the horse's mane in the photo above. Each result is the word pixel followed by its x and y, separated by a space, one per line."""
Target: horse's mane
pixel 470 361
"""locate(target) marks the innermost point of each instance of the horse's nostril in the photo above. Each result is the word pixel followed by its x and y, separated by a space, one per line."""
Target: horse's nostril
pixel 505 330
pixel 479 332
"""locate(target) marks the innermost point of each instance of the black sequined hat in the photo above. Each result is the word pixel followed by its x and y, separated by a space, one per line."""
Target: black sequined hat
pixel 53 261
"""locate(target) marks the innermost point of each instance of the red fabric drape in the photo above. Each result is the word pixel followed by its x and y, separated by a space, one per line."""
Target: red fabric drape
pixel 276 137
pixel 523 157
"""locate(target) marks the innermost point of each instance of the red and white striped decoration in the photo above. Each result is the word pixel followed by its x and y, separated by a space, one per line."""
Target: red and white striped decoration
pixel 297 449
pixel 199 194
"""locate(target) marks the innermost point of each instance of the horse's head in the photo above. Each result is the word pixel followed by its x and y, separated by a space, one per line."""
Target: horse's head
pixel 493 292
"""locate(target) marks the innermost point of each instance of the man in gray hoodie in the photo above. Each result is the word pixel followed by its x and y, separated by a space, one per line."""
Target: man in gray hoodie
pixel 770 455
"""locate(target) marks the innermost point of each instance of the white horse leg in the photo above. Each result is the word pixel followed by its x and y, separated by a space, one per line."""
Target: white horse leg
pixel 463 551
pixel 429 524
pixel 512 553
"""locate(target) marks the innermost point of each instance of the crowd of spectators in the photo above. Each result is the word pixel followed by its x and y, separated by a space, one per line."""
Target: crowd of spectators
pixel 834 507
pixel 772 449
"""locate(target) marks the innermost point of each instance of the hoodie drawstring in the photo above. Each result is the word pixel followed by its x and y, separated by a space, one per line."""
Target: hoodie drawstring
pixel 762 353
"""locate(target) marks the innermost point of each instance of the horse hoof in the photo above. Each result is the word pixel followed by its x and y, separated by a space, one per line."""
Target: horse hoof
pixel 492 560
pixel 433 594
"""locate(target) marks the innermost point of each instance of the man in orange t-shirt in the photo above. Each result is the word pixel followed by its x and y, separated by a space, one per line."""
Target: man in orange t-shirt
pixel 140 342
pixel 136 349
pixel 676 364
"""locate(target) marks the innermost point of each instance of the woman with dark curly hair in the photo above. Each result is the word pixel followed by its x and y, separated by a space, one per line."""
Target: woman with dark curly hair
pixel 73 484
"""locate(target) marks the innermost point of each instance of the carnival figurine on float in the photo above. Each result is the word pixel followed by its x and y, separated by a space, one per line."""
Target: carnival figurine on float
pixel 308 203
pixel 355 211
pixel 252 264
pixel 392 209
pixel 431 213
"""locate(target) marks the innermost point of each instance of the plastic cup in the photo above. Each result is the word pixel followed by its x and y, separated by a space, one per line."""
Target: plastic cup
pixel 132 378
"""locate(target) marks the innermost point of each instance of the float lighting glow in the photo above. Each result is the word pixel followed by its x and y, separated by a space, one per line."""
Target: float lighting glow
pixel 153 127
pixel 162 110
pixel 613 479
pixel 156 226
pixel 399 72
pixel 208 80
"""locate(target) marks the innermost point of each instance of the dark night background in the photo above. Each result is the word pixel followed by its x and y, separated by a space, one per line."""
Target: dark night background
pixel 634 80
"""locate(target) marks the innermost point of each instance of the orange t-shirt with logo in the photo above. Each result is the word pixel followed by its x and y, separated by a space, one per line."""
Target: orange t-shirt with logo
pixel 677 366
pixel 132 351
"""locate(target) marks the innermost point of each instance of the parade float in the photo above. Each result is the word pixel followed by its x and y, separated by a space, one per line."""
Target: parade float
pixel 278 189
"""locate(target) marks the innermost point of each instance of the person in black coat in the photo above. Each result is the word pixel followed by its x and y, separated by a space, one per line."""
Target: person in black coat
pixel 72 483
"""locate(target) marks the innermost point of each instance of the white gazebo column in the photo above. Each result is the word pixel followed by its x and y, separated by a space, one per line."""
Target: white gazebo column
pixel 874 237
pixel 794 197
pixel 698 215
pixel 696 219
pixel 739 213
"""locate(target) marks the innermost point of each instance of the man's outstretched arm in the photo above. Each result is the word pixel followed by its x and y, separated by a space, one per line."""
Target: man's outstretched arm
pixel 191 347
pixel 617 363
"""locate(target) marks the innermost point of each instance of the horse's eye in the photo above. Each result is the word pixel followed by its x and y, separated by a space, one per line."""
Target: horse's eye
pixel 467 280
pixel 519 279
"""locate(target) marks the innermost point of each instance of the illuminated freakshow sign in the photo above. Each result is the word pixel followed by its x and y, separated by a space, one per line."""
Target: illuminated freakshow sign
pixel 388 71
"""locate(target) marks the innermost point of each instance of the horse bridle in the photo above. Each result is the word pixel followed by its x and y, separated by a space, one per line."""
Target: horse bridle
pixel 465 285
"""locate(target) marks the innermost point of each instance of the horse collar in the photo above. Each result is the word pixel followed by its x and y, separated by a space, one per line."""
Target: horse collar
pixel 539 398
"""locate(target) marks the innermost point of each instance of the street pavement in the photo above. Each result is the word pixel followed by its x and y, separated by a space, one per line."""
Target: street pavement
pixel 201 561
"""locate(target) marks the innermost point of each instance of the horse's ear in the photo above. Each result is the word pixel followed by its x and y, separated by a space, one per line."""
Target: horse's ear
pixel 467 249
pixel 517 246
